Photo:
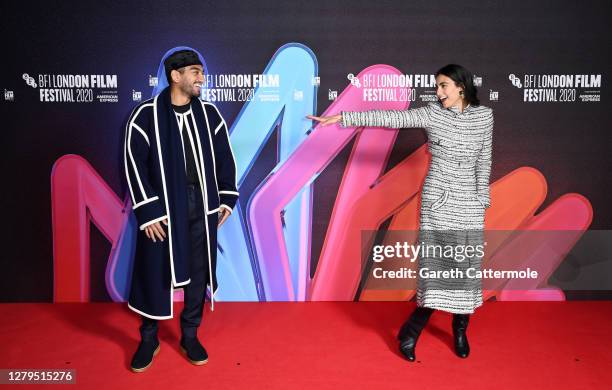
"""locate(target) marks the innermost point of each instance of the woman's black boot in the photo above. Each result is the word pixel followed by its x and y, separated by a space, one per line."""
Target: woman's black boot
pixel 410 331
pixel 460 323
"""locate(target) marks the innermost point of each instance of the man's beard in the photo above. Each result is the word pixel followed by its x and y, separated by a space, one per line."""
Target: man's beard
pixel 190 90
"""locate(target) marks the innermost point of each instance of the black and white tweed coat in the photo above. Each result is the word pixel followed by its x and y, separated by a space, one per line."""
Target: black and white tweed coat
pixel 455 193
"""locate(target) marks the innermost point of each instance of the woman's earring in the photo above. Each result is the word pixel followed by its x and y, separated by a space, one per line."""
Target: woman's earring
pixel 460 93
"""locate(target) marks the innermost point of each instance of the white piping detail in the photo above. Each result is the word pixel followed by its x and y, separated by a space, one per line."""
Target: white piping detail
pixel 144 225
pixel 212 148
pixel 171 304
pixel 140 109
pixel 142 132
pixel 153 317
pixel 212 292
pixel 137 205
pixel 125 165
pixel 180 124
pixel 228 141
pixel 205 200
pixel 233 158
pixel 211 212
pixel 217 129
pixel 193 150
pixel 230 192
pixel 183 283
pixel 226 207
pixel 127 132
pixel 216 109
pixel 163 176
pixel 129 149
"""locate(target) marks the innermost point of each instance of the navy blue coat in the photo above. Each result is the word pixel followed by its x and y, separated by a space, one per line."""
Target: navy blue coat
pixel 155 172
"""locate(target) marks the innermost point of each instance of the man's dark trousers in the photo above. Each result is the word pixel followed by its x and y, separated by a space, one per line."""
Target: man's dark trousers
pixel 194 292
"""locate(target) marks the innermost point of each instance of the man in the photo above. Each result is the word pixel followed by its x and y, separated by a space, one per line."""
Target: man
pixel 181 176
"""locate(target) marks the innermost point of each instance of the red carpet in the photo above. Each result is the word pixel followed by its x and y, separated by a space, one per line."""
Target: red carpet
pixel 534 345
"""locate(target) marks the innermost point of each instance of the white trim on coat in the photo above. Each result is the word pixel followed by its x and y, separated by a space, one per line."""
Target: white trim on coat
pixel 163 176
pixel 183 283
pixel 180 124
pixel 193 150
pixel 228 142
pixel 137 205
pixel 233 158
pixel 216 109
pixel 134 115
pixel 125 165
pixel 226 207
pixel 136 173
pixel 153 317
pixel 149 223
pixel 212 147
pixel 171 304
pixel 205 200
pixel 146 137
pixel 218 127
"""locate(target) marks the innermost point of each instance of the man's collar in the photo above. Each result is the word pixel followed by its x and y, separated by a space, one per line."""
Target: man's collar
pixel 182 109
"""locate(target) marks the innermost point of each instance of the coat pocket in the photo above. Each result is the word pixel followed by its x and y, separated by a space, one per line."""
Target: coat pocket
pixel 441 201
pixel 483 202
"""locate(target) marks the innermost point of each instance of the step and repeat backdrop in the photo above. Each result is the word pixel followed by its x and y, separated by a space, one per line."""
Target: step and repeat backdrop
pixel 315 203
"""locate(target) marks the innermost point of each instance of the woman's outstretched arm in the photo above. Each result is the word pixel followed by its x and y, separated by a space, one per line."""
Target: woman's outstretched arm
pixel 395 119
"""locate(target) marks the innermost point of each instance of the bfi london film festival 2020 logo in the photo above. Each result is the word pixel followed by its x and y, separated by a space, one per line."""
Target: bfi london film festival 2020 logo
pixel 401 87
pixel 74 88
pixel 558 88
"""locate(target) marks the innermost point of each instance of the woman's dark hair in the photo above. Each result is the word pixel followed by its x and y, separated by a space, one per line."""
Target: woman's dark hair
pixel 464 78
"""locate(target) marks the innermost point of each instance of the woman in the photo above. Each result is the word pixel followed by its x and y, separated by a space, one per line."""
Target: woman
pixel 454 197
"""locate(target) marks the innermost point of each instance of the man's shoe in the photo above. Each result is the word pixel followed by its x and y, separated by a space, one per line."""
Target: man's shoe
pixel 194 351
pixel 143 358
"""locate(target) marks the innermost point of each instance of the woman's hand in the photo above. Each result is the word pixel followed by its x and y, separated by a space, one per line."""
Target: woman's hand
pixel 326 120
